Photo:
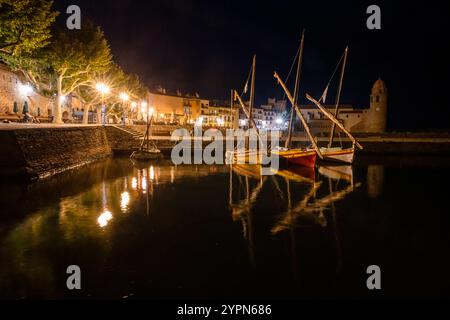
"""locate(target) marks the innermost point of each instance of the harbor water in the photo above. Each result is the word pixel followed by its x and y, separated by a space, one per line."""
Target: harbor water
pixel 157 230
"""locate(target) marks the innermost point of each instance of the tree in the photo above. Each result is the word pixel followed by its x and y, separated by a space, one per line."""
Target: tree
pixel 118 82
pixel 24 26
pixel 73 57
pixel 24 31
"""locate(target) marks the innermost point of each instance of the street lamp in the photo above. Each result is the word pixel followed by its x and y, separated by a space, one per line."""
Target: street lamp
pixel 125 97
pixel 25 89
pixel 103 89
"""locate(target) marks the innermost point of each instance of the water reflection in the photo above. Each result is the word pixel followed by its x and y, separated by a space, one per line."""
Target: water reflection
pixel 104 218
pixel 305 199
pixel 161 230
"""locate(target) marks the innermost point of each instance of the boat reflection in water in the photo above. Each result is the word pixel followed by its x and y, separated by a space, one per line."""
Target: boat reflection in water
pixel 306 199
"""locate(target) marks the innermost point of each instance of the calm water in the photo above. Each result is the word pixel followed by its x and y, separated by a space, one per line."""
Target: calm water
pixel 162 231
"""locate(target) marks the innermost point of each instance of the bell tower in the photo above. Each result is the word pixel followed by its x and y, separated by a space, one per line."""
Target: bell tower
pixel 377 115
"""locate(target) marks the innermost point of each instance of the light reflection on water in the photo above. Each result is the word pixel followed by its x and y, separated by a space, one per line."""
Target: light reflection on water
pixel 159 230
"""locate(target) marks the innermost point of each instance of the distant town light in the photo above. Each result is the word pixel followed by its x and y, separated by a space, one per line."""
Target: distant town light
pixel 102 88
pixel 25 89
pixel 124 96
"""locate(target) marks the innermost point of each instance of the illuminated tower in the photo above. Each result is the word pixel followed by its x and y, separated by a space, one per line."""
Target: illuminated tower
pixel 377 115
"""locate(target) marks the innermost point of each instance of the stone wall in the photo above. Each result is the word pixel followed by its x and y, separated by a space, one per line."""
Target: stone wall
pixel 10 84
pixel 32 153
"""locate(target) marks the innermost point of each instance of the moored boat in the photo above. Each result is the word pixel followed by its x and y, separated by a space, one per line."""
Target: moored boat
pixel 298 157
pixel 338 154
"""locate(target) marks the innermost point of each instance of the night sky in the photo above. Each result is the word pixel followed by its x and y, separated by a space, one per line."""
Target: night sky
pixel 207 47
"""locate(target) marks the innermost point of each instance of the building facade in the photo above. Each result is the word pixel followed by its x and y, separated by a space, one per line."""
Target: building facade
pixel 175 109
pixel 270 116
pixel 215 115
pixel 370 120
pixel 16 91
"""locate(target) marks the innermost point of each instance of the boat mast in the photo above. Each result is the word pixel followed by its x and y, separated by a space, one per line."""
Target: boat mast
pixel 336 109
pixel 299 114
pixel 333 118
pixel 296 90
pixel 252 89
pixel 231 109
pixel 247 113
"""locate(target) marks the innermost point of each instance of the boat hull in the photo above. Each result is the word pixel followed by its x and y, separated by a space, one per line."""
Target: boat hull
pixel 342 156
pixel 143 155
pixel 298 157
pixel 250 157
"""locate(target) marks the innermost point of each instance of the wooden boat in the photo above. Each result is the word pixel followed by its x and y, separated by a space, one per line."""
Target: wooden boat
pixel 251 157
pixel 330 153
pixel 338 154
pixel 148 152
pixel 143 155
pixel 247 156
pixel 298 157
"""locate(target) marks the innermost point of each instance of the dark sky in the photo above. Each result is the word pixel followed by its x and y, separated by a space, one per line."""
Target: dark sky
pixel 207 46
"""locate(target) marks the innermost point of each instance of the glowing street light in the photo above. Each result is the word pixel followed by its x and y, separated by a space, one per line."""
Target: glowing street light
pixel 279 121
pixel 62 99
pixel 124 96
pixel 25 89
pixel 102 88
pixel 144 106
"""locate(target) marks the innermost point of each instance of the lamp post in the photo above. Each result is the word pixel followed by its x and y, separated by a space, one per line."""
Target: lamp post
pixel 103 89
pixel 133 109
pixel 125 97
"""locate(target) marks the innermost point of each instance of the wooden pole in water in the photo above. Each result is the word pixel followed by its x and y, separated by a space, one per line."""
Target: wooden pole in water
pixel 332 118
pixel 299 114
pixel 338 97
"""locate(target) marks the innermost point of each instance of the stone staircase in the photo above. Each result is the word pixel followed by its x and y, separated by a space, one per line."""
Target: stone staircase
pixel 135 134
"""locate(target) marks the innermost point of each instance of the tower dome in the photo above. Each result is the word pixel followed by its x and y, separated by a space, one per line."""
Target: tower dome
pixel 379 87
pixel 376 117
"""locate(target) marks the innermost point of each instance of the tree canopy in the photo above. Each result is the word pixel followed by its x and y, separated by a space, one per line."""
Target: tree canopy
pixel 24 26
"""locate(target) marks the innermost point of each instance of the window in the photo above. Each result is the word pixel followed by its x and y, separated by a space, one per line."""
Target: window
pixel 378 98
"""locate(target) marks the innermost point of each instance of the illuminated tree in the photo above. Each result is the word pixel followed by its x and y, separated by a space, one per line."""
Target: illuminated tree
pixel 73 58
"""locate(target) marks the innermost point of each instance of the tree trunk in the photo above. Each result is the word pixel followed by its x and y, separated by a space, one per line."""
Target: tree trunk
pixel 86 114
pixel 57 117
pixel 99 114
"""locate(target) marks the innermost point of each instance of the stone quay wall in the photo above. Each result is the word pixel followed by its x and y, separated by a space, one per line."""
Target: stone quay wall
pixel 39 152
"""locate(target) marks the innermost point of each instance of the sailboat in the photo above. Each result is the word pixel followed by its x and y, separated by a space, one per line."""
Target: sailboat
pixel 247 156
pixel 338 154
pixel 299 157
pixel 147 150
